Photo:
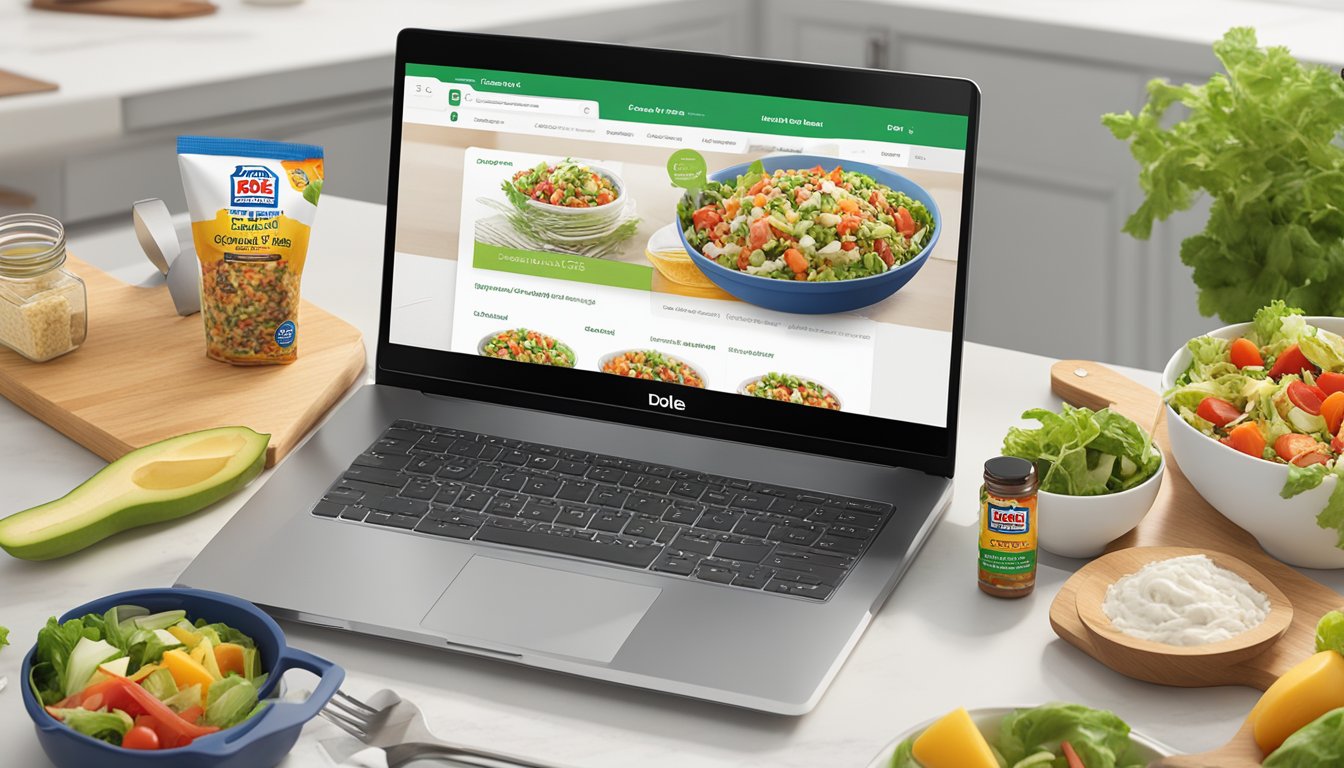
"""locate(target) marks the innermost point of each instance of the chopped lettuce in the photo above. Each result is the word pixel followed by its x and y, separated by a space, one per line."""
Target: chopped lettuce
pixel 160 683
pixel 1079 452
pixel 185 699
pixel 100 724
pixel 4 636
pixel 231 701
pixel 1317 744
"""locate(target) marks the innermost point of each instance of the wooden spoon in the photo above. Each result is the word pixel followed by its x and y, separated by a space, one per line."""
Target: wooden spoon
pixel 1240 752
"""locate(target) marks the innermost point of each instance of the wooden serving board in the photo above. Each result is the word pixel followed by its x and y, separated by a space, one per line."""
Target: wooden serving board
pixel 151 9
pixel 142 375
pixel 14 84
pixel 1181 518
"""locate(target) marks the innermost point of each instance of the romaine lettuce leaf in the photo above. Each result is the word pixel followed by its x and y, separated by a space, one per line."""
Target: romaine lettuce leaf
pixel 904 757
pixel 1317 744
pixel 55 641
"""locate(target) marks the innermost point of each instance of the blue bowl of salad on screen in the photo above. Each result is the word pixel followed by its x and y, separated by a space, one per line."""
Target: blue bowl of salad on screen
pixel 178 678
pixel 809 234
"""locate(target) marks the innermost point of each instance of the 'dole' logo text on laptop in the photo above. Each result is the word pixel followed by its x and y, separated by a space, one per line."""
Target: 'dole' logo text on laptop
pixel 254 186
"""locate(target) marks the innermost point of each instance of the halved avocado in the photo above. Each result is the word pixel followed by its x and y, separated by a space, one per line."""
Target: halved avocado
pixel 161 481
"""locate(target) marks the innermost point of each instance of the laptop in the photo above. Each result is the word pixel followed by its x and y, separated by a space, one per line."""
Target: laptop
pixel 667 369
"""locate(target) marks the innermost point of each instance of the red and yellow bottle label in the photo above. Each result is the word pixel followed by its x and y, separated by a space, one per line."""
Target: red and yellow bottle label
pixel 1007 538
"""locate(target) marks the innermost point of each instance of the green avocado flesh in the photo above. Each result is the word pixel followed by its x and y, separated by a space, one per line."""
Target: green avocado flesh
pixel 158 482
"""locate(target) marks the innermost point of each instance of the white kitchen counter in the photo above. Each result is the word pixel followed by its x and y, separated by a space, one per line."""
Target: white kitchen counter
pixel 253 57
pixel 938 642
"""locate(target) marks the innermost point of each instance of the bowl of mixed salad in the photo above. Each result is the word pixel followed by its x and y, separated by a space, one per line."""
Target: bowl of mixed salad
pixel 524 345
pixel 651 365
pixel 568 200
pixel 1020 737
pixel 167 677
pixel 1255 412
pixel 809 234
pixel 788 388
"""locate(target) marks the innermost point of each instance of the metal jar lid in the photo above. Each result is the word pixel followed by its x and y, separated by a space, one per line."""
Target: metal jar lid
pixel 1010 470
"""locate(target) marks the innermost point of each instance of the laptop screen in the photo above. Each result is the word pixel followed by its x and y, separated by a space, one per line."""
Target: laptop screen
pixel 788 262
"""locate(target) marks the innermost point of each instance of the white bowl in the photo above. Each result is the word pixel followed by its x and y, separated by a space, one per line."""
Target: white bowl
pixel 1082 526
pixel 987 719
pixel 1245 489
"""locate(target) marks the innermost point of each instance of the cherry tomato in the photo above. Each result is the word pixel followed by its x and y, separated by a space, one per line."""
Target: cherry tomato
pixel 140 737
pixel 1304 397
pixel 1330 382
pixel 1245 354
pixel 1217 411
pixel 1291 361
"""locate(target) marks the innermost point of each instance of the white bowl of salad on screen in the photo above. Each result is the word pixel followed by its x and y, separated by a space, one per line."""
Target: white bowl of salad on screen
pixel 1255 424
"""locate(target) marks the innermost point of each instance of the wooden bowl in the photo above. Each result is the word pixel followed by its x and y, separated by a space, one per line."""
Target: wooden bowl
pixel 1188 666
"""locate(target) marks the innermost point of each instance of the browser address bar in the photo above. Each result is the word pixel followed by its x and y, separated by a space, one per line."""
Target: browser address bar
pixel 533 105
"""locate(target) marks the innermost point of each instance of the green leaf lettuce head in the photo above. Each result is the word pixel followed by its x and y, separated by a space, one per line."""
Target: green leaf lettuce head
pixel 1261 141
pixel 1079 452
pixel 1330 632
pixel 1031 737
pixel 1318 744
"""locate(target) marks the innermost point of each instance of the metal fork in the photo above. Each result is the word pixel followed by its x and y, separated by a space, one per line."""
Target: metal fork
pixel 398 727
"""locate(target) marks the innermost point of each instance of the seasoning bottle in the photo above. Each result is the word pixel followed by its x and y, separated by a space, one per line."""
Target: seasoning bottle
pixel 43 308
pixel 1007 565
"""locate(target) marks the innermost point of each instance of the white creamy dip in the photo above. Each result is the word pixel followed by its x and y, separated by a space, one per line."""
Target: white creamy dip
pixel 1184 601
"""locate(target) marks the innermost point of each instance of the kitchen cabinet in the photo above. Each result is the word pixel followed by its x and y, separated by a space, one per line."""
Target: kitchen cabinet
pixel 1051 271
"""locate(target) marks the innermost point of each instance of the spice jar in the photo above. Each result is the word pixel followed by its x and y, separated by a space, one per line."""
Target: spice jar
pixel 1007 563
pixel 43 308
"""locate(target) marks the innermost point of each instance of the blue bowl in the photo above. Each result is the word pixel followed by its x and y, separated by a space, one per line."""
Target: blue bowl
pixel 261 742
pixel 818 298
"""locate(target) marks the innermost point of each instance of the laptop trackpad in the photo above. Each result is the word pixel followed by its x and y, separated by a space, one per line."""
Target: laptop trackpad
pixel 501 602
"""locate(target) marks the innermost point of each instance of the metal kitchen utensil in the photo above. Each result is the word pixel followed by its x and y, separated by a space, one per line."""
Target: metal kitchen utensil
pixel 398 727
pixel 158 237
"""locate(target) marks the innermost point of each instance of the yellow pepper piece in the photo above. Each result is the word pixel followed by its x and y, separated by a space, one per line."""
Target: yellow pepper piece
pixel 185 636
pixel 954 742
pixel 143 672
pixel 187 671
pixel 1301 695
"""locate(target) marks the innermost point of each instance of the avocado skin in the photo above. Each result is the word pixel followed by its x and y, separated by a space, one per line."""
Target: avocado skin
pixel 132 516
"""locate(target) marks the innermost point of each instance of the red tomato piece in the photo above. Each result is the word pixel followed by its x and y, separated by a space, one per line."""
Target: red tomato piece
pixel 1217 411
pixel 706 218
pixel 1330 382
pixel 1291 361
pixel 1304 397
pixel 140 737
pixel 1302 450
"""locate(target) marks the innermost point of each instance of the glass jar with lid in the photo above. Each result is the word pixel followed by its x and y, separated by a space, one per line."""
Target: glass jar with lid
pixel 43 308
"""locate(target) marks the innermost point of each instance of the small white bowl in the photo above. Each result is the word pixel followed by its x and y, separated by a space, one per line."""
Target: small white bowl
pixel 1245 489
pixel 1082 526
pixel 987 719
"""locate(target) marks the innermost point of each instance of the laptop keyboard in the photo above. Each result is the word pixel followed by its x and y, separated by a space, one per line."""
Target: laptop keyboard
pixel 463 485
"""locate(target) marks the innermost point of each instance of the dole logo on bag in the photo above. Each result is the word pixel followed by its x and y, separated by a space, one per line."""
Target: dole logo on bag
pixel 254 186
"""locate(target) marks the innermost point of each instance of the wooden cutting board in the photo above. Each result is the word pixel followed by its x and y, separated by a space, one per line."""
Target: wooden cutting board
pixel 152 9
pixel 14 84
pixel 1180 517
pixel 142 375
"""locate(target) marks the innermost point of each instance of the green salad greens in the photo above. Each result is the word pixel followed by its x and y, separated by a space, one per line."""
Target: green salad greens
pixel 1080 452
pixel 145 680
pixel 1031 738
pixel 1263 142
pixel 1275 393
pixel 4 636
